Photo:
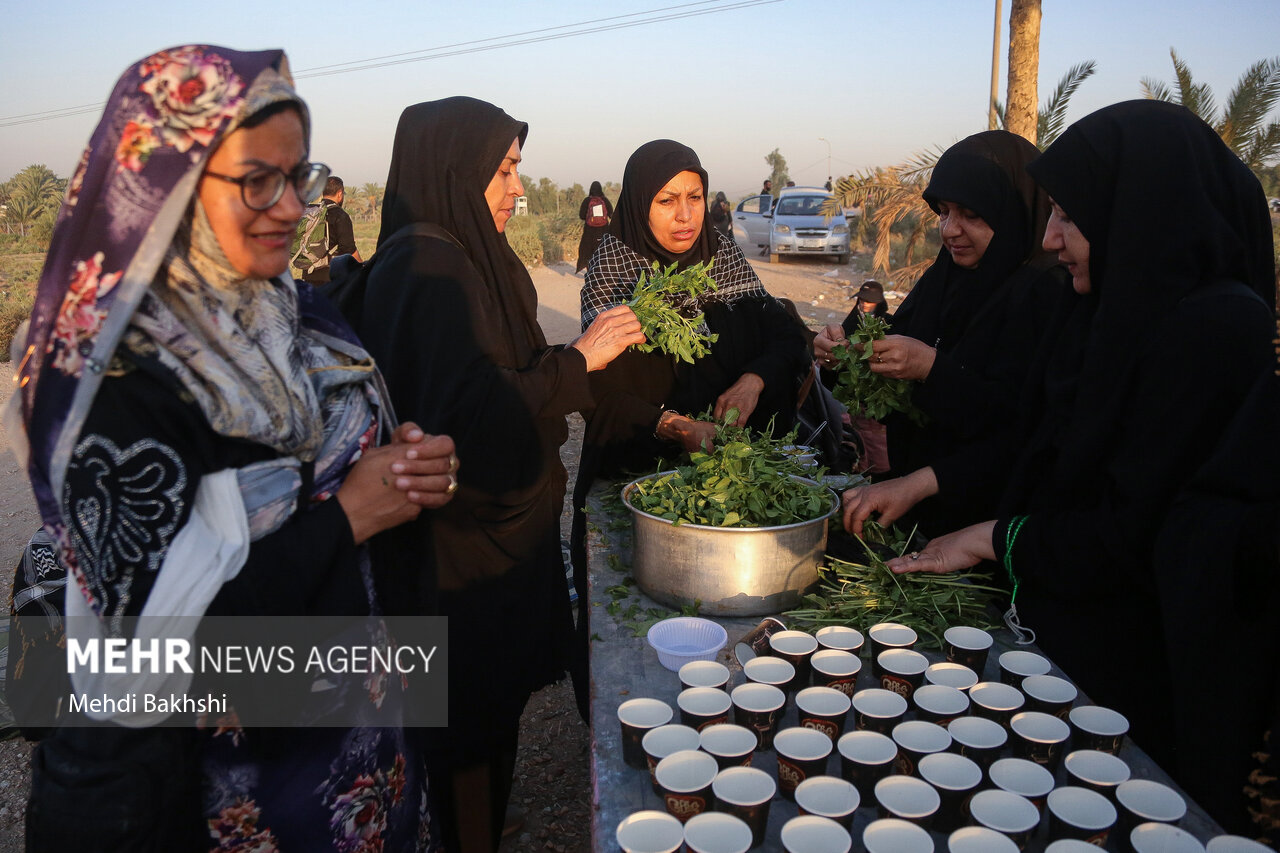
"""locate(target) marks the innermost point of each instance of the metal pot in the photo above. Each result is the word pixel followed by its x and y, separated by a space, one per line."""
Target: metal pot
pixel 733 571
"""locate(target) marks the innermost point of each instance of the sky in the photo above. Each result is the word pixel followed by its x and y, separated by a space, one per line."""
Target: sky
pixel 878 80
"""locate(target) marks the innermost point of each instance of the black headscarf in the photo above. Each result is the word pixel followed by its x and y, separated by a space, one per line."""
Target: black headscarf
pixel 985 173
pixel 1167 208
pixel 648 171
pixel 445 154
pixel 596 189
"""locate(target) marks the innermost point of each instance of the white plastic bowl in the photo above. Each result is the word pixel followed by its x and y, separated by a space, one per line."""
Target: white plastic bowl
pixel 686 638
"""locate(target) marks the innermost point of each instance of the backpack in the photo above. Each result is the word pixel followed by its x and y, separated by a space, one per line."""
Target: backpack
pixel 313 240
pixel 597 212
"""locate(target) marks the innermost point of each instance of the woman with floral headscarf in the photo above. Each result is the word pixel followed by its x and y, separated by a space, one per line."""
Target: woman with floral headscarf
pixel 202 442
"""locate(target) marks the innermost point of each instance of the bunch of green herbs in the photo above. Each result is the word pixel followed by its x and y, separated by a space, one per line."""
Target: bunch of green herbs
pixel 665 301
pixel 860 595
pixel 860 389
pixel 748 480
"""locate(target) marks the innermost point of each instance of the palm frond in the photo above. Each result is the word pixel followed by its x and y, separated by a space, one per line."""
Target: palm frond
pixel 1253 97
pixel 1262 146
pixel 1197 97
pixel 1156 90
pixel 1053 115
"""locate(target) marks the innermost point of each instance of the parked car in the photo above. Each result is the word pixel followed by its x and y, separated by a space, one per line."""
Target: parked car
pixel 793 225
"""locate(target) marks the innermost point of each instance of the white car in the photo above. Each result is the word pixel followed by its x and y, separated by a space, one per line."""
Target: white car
pixel 794 224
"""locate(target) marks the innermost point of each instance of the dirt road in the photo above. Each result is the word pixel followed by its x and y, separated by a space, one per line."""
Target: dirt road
pixel 553 785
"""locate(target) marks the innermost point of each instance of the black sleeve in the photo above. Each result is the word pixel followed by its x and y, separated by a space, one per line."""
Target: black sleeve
pixel 342 235
pixel 786 350
pixel 582 208
pixel 1180 403
pixel 420 319
pixel 138 427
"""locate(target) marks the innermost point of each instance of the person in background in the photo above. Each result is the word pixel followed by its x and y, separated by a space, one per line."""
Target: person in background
pixel 595 211
pixel 451 316
pixel 203 440
pixel 721 215
pixel 870 299
pixel 767 187
pixel 341 233
pixel 1125 404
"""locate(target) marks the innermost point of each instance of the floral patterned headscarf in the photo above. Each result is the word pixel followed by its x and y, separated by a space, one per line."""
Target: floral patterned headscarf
pixel 126 201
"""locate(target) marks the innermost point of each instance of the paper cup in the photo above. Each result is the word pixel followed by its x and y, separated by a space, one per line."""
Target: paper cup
pixel 1017 665
pixel 1006 813
pixel 1145 800
pixel 705 673
pixel 840 638
pixel 649 832
pixel 1049 694
pixel 979 839
pixel 995 701
pixel 1163 838
pixel 866 758
pixel 827 796
pixel 1038 737
pixel 1096 727
pixel 955 778
pixel 1098 771
pixel 822 709
pixel 768 669
pixel 878 710
pixel 1025 778
pixel 967 646
pixel 802 753
pixel 811 834
pixel 756 641
pixel 955 675
pixel 745 793
pixel 663 741
pixel 795 647
pixel 1070 845
pixel 684 778
pixel 1080 814
pixel 730 745
pixel 637 716
pixel 703 706
pixel 907 798
pixel 940 705
pixel 978 739
pixel 1235 844
pixel 758 707
pixel 836 669
pixel 891 835
pixel 915 740
pixel 717 832
pixel 902 671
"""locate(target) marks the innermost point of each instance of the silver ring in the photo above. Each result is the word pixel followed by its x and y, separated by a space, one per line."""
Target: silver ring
pixel 915 555
pixel 453 484
pixel 879 359
pixel 453 462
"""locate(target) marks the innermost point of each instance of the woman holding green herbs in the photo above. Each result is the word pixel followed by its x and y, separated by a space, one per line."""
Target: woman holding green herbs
pixel 1172 329
pixel 964 337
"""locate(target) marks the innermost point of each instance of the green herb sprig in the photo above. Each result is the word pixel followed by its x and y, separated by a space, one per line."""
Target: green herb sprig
pixel 747 481
pixel 861 594
pixel 862 390
pixel 658 300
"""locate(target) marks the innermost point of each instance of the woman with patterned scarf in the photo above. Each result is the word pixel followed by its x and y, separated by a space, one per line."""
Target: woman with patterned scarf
pixel 203 442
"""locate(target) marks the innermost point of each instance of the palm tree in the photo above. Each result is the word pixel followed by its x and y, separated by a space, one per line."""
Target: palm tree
pixel 373 197
pixel 894 194
pixel 1242 121
pixel 1024 66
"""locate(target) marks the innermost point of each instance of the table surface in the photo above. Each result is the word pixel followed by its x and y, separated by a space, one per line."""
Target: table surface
pixel 624 666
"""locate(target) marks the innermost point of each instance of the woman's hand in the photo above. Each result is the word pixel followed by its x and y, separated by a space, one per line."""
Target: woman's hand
pixel 742 395
pixel 610 333
pixel 826 342
pixel 901 357
pixel 891 498
pixel 690 434
pixel 949 553
pixel 390 485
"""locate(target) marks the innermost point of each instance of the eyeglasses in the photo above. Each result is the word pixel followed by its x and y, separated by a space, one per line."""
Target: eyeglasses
pixel 261 189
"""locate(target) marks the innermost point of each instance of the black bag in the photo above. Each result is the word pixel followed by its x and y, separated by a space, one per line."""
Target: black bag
pixel 346 291
pixel 36 683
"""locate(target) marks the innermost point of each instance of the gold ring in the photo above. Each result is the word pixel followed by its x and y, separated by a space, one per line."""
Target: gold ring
pixel 453 484
pixel 879 359
pixel 453 462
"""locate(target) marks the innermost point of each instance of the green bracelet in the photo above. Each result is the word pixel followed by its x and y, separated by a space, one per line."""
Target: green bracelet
pixel 1010 536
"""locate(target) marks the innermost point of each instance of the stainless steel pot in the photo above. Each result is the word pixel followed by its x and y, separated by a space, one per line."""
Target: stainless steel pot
pixel 733 571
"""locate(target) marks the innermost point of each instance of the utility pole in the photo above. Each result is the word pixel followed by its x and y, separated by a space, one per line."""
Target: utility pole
pixel 992 119
pixel 824 139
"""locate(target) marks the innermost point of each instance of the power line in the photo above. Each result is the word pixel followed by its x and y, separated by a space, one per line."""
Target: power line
pixel 597 25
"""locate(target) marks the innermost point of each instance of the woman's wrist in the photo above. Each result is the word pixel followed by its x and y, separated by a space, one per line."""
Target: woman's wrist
pixel 662 429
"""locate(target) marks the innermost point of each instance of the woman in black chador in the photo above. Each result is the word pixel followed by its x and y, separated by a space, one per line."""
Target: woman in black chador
pixel 451 314
pixel 595 207
pixel 965 336
pixel 1167 238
